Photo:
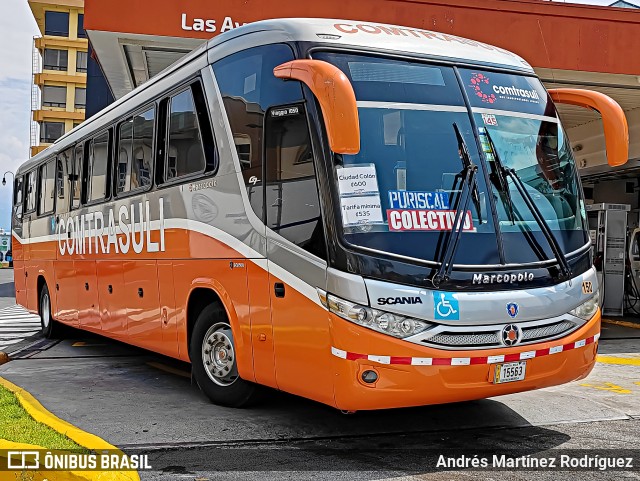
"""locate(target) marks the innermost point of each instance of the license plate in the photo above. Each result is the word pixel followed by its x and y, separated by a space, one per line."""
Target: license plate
pixel 509 372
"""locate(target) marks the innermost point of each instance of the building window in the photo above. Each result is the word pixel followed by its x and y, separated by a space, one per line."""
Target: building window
pixel 81 98
pixel 55 59
pixel 51 131
pixel 81 32
pixel 54 96
pixel 56 23
pixel 81 61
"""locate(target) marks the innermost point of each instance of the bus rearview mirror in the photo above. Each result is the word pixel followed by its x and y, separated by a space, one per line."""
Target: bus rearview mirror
pixel 616 130
pixel 336 97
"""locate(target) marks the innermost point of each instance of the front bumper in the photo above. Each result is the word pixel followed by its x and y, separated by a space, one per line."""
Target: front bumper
pixel 411 375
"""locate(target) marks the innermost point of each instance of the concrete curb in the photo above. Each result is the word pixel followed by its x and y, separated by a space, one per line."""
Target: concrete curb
pixel 83 438
pixel 632 325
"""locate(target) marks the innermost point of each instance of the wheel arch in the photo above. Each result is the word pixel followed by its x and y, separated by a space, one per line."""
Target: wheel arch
pixel 205 292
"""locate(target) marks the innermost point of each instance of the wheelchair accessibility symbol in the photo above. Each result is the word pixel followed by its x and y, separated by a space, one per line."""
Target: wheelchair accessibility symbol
pixel 445 306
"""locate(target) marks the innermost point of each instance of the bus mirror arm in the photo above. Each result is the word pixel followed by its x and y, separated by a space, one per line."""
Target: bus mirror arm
pixel 337 100
pixel 616 130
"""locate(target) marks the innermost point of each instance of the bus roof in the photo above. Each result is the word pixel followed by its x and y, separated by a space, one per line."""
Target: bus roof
pixel 380 36
pixel 341 33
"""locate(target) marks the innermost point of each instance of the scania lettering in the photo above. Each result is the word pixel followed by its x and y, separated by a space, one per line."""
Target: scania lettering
pixel 301 201
pixel 398 300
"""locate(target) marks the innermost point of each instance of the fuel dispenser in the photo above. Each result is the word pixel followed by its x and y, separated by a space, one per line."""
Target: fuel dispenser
pixel 608 232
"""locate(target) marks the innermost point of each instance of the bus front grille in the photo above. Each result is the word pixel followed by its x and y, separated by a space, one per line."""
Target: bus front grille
pixel 488 337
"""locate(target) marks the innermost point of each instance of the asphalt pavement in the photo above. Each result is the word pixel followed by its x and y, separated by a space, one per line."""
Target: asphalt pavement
pixel 17 325
pixel 146 403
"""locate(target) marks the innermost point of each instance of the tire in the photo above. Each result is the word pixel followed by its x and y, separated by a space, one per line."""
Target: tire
pixel 46 319
pixel 214 361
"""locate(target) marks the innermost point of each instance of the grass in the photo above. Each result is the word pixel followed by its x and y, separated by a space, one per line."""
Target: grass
pixel 18 426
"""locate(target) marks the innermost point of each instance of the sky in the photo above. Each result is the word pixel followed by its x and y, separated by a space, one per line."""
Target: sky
pixel 18 28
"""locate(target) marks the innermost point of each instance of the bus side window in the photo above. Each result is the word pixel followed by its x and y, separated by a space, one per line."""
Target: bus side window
pixel 97 167
pixel 185 151
pixel 143 125
pixel 77 172
pixel 30 204
pixel 17 198
pixel 248 88
pixel 293 204
pixel 123 167
pixel 46 195
pixel 62 188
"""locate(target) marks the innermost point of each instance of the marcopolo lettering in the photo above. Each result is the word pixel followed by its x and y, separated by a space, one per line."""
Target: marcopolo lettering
pixel 128 228
pixel 383 301
pixel 502 278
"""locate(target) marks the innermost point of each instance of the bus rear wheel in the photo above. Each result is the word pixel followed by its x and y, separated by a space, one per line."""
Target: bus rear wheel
pixel 213 360
pixel 46 319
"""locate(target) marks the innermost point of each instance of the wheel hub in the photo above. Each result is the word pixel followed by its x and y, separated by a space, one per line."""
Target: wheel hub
pixel 218 355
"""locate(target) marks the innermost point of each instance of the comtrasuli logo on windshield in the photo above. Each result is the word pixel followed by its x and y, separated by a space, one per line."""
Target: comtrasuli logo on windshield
pixel 487 93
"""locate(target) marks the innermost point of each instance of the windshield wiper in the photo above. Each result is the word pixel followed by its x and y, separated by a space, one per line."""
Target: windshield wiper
pixel 498 174
pixel 565 269
pixel 466 163
pixel 468 186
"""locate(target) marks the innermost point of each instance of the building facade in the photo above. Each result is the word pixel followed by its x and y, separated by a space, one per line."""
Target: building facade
pixel 60 60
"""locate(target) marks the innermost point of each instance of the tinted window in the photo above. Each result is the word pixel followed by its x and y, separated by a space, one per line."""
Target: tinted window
pixel 17 191
pixel 135 151
pixel 47 187
pixel 17 197
pixel 185 153
pixel 54 96
pixel 76 182
pixel 142 149
pixel 56 23
pixel 54 59
pixel 98 166
pixel 68 180
pixel 123 170
pixel 30 205
pixel 248 89
pixel 293 206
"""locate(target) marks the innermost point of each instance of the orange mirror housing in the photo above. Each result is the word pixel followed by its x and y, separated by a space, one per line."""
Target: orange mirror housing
pixel 336 97
pixel 616 130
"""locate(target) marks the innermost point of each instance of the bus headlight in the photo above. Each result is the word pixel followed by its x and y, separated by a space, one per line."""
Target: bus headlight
pixel 384 322
pixel 587 309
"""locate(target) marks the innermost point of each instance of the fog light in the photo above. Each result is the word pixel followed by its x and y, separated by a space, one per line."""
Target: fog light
pixel 369 376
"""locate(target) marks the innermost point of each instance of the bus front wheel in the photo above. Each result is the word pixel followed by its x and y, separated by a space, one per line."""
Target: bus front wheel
pixel 213 360
pixel 46 319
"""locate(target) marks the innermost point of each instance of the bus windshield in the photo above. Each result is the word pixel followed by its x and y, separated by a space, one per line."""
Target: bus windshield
pixel 398 195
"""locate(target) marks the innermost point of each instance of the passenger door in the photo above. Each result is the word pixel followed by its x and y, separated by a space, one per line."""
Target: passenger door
pixel 65 270
pixel 296 256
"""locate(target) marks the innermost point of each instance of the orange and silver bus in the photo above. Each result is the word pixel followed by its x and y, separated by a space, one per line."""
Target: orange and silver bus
pixel 367 215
